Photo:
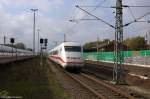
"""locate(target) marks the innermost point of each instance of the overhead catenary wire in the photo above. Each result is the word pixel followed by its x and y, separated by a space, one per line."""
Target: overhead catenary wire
pixel 131 13
pixel 101 3
pixel 136 19
pixel 125 6
pixel 136 6
pixel 77 20
pixel 95 16
pixel 91 6
pixel 70 29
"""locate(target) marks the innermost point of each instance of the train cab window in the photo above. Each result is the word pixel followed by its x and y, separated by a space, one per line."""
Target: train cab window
pixel 55 53
pixel 73 48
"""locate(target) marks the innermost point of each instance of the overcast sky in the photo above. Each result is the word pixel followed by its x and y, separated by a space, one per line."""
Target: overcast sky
pixel 16 20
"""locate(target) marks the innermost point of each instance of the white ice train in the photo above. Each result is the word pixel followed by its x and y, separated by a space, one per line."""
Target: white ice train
pixel 6 51
pixel 68 55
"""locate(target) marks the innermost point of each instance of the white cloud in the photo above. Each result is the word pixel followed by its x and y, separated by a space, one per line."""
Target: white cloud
pixel 53 27
pixel 43 5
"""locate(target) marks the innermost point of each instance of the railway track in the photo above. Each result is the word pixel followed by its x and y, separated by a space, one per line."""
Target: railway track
pixel 100 89
pixel 75 89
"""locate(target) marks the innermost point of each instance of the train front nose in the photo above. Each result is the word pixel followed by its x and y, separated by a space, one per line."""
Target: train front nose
pixel 74 59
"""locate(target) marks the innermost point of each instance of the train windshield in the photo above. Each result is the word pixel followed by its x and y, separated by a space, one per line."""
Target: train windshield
pixel 73 48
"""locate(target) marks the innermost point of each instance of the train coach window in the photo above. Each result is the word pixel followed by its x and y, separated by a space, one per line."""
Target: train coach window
pixel 73 48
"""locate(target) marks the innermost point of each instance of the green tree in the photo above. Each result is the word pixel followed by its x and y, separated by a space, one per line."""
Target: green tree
pixel 135 43
pixel 94 44
pixel 20 46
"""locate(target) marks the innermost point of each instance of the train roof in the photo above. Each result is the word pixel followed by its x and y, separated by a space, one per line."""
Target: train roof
pixel 70 43
pixel 66 44
pixel 8 48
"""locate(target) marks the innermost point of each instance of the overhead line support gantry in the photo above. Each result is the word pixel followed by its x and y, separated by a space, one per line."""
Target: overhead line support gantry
pixel 118 70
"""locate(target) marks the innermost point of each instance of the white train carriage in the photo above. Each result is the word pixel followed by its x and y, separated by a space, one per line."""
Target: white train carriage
pixel 68 55
pixel 6 51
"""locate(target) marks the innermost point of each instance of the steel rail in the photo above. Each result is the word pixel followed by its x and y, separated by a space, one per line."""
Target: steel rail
pixel 98 95
pixel 115 91
pixel 109 87
pixel 95 92
pixel 87 87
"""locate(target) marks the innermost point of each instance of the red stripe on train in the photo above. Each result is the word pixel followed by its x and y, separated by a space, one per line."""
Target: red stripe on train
pixel 59 58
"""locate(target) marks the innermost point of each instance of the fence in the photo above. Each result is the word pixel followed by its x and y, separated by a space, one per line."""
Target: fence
pixel 134 57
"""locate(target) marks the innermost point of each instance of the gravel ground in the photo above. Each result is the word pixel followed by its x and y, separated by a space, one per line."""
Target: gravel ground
pixel 135 85
pixel 75 90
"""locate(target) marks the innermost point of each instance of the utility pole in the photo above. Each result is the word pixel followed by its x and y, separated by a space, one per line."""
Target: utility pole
pixel 64 37
pixel 118 66
pixel 4 40
pixel 149 37
pixel 38 30
pixel 146 38
pixel 97 46
pixel 34 10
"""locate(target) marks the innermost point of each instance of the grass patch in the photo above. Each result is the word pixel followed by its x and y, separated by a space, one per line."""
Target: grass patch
pixel 58 92
pixel 30 81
